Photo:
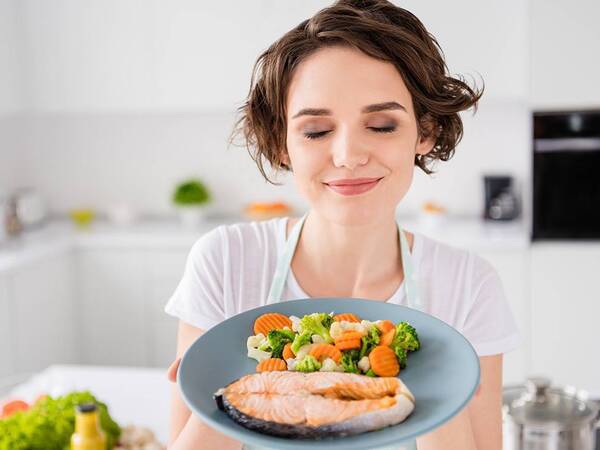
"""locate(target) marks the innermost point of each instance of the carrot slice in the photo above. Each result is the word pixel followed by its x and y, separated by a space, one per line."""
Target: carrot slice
pixel 347 344
pixel 384 362
pixel 271 321
pixel 348 317
pixel 287 351
pixel 322 351
pixel 386 325
pixel 349 336
pixel 271 365
pixel 13 406
pixel 387 337
pixel 348 340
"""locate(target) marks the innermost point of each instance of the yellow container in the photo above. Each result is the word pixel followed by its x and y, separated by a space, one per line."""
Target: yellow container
pixel 82 217
pixel 88 434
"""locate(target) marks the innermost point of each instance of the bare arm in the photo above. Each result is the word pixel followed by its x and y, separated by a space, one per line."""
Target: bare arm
pixel 479 425
pixel 186 431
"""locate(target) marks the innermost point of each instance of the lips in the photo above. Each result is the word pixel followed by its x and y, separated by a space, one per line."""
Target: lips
pixel 352 186
pixel 351 181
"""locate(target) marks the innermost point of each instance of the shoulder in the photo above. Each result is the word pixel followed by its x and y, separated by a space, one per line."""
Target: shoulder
pixel 235 238
pixel 449 265
pixel 260 234
pixel 432 252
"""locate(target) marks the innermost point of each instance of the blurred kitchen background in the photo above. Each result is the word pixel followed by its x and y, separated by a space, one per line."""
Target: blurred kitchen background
pixel 107 107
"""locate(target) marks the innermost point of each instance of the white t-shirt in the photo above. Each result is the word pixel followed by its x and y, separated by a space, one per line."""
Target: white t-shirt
pixel 229 270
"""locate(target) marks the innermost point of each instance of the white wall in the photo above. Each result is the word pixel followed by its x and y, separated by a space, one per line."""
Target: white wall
pixel 10 82
pixel 565 67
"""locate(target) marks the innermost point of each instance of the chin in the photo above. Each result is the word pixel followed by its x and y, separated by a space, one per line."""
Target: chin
pixel 351 215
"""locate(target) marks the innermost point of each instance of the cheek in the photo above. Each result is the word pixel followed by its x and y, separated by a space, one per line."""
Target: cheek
pixel 398 156
pixel 306 159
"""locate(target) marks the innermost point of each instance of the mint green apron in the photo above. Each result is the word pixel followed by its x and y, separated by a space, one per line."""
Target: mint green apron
pixel 281 272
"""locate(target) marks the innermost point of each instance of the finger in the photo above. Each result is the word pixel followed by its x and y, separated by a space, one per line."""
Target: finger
pixel 172 370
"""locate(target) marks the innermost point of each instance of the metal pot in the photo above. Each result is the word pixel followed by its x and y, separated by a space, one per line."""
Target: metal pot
pixel 537 416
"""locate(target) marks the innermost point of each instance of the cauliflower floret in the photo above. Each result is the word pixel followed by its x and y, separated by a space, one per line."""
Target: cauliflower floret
pixel 329 365
pixel 291 363
pixel 316 339
pixel 303 351
pixel 252 343
pixel 337 328
pixel 364 364
pixel 367 324
pixel 257 354
pixel 295 323
pixel 255 341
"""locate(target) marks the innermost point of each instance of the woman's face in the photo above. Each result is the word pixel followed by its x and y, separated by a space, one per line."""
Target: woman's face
pixel 350 116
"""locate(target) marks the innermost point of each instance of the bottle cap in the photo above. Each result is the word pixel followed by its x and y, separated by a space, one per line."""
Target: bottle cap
pixel 86 407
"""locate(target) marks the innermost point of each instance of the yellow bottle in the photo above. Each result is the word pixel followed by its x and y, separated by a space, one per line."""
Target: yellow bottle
pixel 88 434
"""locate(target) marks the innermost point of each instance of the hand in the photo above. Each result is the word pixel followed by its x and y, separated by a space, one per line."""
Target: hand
pixel 172 370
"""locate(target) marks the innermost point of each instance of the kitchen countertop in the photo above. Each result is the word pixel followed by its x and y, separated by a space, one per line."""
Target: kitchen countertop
pixel 61 236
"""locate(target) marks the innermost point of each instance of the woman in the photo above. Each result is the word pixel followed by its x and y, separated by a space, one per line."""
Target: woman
pixel 350 101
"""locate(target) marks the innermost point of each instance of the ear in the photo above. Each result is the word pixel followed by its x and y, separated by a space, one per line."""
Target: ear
pixel 425 144
pixel 427 135
pixel 285 159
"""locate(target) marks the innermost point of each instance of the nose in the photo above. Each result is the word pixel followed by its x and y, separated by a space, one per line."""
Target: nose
pixel 348 151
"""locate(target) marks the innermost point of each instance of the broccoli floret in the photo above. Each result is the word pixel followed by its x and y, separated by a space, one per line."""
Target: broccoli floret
pixel 402 356
pixel 317 323
pixel 276 340
pixel 406 337
pixel 300 340
pixel 370 373
pixel 308 364
pixel 349 361
pixel 369 341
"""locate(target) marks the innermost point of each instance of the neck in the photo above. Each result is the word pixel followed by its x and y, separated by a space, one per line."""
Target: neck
pixel 354 257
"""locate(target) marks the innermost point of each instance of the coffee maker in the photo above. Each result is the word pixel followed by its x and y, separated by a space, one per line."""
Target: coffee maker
pixel 501 202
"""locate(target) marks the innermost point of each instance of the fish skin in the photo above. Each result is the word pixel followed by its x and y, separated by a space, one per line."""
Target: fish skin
pixel 315 405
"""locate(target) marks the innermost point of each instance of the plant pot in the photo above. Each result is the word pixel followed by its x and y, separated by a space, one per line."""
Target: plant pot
pixel 191 217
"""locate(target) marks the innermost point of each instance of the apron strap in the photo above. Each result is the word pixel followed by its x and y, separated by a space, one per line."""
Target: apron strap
pixel 410 274
pixel 284 262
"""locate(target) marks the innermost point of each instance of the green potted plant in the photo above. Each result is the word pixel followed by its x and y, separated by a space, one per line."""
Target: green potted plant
pixel 191 197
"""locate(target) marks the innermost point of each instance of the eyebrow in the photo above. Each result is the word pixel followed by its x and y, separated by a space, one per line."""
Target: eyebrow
pixel 386 106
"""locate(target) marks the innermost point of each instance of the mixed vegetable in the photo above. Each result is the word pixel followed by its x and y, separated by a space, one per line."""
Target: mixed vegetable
pixel 331 343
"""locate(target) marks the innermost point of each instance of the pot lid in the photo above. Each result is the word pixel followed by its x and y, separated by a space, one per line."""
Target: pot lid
pixel 537 403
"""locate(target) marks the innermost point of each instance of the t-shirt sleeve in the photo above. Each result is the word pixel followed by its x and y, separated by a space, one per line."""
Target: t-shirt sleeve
pixel 198 298
pixel 489 325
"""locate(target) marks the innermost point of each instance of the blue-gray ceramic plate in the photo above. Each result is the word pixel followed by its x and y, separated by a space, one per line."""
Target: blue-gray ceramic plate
pixel 443 375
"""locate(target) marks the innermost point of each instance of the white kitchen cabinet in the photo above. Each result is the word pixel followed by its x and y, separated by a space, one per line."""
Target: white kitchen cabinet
pixel 565 311
pixel 44 326
pixel 7 364
pixel 162 272
pixel 113 324
pixel 123 292
pixel 513 269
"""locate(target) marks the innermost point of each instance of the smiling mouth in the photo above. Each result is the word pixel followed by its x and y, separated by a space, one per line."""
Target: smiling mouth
pixel 353 189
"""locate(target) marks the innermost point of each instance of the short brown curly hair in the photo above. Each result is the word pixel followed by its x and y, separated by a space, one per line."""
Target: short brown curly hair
pixel 381 30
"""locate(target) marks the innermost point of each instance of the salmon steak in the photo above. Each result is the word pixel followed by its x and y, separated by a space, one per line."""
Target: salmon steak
pixel 315 405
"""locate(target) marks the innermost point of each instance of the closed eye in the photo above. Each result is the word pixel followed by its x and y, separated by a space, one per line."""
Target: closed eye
pixel 319 134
